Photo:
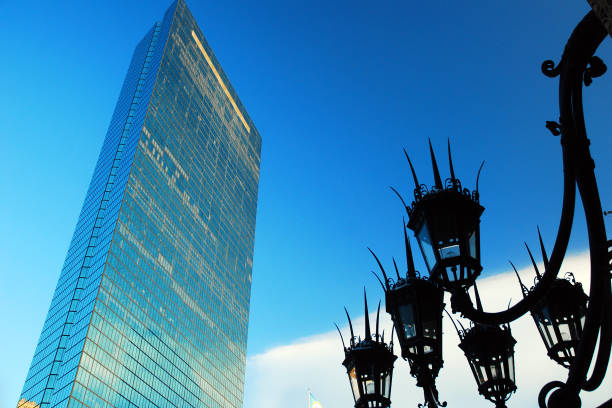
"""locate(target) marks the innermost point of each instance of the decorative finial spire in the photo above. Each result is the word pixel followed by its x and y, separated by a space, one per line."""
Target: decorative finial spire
pixel 523 287
pixel 350 326
pixel 478 175
pixel 381 268
pixel 341 338
pixel 409 260
pixel 368 333
pixel 544 256
pixel 478 302
pixel 450 161
pixel 396 270
pixel 414 176
pixel 535 266
pixel 434 165
pixel 400 197
pixel 377 320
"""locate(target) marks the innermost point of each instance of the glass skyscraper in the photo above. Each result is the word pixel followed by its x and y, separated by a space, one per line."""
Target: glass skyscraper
pixel 152 303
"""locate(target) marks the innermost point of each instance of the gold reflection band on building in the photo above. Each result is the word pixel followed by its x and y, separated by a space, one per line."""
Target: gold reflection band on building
pixel 229 96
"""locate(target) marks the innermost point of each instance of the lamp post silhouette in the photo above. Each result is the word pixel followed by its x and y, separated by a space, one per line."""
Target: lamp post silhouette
pixel 445 218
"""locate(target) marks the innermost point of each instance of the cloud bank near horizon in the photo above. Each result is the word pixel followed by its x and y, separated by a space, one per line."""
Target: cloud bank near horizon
pixel 281 376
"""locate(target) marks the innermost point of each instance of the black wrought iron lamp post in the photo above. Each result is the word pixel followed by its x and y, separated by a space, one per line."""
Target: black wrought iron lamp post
pixel 575 328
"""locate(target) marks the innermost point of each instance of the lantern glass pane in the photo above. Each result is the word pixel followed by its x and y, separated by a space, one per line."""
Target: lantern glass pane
pixel 546 327
pixel 564 330
pixel 482 374
pixel 426 245
pixel 354 384
pixel 369 385
pixel 472 244
pixel 511 366
pixel 429 331
pixel 406 312
pixel 495 371
pixel 387 384
pixel 449 251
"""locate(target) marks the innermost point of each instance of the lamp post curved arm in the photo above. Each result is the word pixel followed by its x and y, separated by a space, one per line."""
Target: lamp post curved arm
pixel 577 65
pixel 577 168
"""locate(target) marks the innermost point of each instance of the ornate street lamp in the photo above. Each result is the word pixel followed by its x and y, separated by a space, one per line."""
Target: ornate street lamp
pixel 369 365
pixel 576 329
pixel 415 305
pixel 490 353
pixel 560 314
pixel 446 223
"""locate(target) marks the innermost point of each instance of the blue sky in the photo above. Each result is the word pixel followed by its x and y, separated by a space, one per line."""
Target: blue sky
pixel 336 89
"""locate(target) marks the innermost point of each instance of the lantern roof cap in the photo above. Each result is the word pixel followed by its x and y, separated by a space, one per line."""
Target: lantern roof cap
pixel 370 340
pixel 484 340
pixel 449 187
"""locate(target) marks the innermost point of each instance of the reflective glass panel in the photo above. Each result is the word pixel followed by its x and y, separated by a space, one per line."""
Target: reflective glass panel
pixel 407 317
pixel 426 246
pixel 449 251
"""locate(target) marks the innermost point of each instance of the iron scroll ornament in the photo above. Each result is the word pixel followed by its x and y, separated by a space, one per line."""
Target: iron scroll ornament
pixel 578 65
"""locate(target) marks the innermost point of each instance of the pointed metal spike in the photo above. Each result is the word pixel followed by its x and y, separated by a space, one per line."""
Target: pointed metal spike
pixel 535 266
pixel 478 302
pixel 414 177
pixel 434 165
pixel 381 268
pixel 396 270
pixel 379 281
pixel 368 334
pixel 461 325
pixel 478 175
pixel 382 337
pixel 400 197
pixel 453 322
pixel 377 319
pixel 544 256
pixel 450 161
pixel 341 338
pixel 523 287
pixel 350 326
pixel 409 259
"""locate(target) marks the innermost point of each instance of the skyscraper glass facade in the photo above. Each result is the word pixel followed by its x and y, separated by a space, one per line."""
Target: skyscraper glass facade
pixel 151 307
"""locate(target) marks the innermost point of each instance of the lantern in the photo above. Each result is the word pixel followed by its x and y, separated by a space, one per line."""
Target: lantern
pixel 559 316
pixel 415 306
pixel 369 365
pixel 490 353
pixel 446 222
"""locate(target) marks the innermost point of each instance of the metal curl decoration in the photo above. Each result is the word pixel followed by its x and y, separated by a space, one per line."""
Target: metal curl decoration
pixel 549 69
pixel 433 399
pixel 569 276
pixel 554 127
pixel 546 390
pixel 595 68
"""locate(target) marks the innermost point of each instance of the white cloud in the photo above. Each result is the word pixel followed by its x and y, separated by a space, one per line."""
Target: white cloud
pixel 280 377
